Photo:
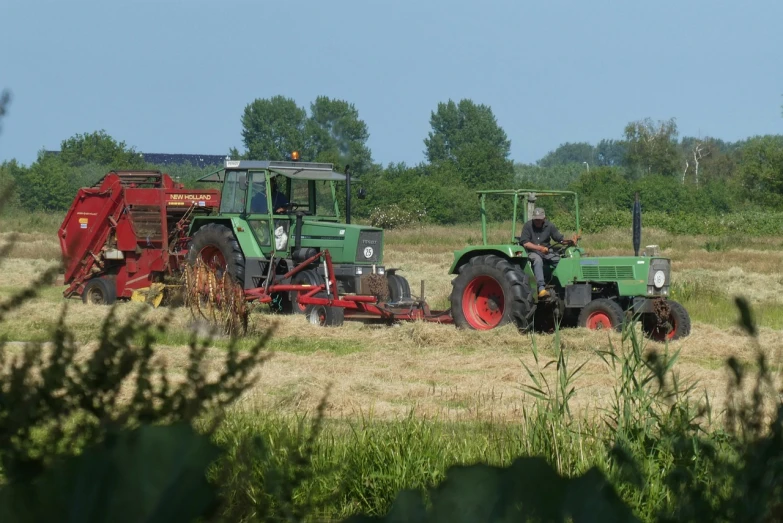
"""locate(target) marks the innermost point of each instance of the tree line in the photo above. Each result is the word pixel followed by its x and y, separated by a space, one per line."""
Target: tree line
pixel 465 150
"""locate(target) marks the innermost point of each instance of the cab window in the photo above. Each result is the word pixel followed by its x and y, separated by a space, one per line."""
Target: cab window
pixel 233 197
pixel 258 201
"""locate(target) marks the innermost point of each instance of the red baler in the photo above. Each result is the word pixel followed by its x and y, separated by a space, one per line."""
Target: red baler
pixel 127 232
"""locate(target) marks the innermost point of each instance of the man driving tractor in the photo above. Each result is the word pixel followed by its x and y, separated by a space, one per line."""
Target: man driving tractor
pixel 535 238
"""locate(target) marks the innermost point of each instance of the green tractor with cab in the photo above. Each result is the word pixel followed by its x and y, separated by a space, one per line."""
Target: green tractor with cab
pixel 276 215
pixel 495 285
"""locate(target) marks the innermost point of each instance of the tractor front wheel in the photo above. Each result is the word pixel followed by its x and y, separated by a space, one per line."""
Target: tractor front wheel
pixel 217 247
pixel 601 313
pixel 676 324
pixel 100 291
pixel 490 292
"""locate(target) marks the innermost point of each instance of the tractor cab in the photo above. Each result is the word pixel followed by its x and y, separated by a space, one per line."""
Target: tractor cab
pixel 273 196
pixel 285 187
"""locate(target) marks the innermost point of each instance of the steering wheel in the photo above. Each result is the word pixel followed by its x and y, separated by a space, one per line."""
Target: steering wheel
pixel 559 248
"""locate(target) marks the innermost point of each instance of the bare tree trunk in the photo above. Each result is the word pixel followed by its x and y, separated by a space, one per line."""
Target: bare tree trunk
pixel 698 154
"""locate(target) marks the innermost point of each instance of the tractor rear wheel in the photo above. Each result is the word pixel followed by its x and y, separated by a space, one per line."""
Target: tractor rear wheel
pixel 306 277
pixel 677 325
pixel 399 288
pixel 489 292
pixel 100 291
pixel 217 247
pixel 601 313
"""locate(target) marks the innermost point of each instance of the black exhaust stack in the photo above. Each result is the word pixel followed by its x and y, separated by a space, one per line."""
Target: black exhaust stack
pixel 637 225
pixel 347 194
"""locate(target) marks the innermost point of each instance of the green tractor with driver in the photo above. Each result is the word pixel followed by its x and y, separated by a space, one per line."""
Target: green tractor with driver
pixel 495 285
pixel 276 215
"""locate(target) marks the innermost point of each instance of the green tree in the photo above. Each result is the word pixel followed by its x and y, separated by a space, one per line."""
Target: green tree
pixel 761 166
pixel 652 147
pixel 604 187
pixel 46 185
pixel 467 136
pixel 554 177
pixel 610 153
pixel 272 128
pixel 100 148
pixel 335 134
pixel 580 153
pixel 10 174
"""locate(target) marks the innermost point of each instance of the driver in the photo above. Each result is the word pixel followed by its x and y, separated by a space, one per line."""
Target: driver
pixel 536 234
pixel 279 201
pixel 258 203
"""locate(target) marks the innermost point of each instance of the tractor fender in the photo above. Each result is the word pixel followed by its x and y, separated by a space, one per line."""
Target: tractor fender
pixel 199 223
pixel 515 254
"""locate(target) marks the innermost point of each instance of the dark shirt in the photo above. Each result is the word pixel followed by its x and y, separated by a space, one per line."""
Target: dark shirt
pixel 258 203
pixel 541 236
pixel 279 200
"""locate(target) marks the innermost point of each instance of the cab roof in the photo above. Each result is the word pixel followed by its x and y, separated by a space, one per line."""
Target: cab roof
pixel 293 170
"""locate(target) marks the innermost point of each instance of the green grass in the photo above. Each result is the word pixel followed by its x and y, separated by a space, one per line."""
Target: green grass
pixel 722 313
pixel 25 221
pixel 359 466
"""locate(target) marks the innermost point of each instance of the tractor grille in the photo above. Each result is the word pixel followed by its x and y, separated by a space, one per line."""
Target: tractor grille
pixel 659 264
pixel 369 243
pixel 608 272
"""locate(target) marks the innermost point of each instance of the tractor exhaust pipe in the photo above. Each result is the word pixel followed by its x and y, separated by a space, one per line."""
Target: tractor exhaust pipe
pixel 637 224
pixel 347 194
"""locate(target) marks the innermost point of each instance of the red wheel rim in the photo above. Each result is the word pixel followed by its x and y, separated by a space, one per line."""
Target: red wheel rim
pixel 483 303
pixel 212 257
pixel 599 320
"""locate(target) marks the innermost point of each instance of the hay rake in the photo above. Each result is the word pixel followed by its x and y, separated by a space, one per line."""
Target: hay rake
pixel 217 298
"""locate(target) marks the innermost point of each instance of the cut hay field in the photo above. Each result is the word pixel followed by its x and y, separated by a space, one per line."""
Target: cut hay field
pixel 437 370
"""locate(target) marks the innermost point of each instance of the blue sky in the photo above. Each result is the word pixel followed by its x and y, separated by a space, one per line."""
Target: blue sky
pixel 172 76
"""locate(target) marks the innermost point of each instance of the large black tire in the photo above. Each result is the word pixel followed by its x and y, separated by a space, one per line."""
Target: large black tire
pixel 216 245
pixel 601 313
pixel 676 326
pixel 489 292
pixel 323 315
pixel 399 288
pixel 100 291
pixel 306 277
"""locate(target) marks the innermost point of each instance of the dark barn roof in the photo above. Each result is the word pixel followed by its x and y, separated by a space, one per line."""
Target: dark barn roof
pixel 199 160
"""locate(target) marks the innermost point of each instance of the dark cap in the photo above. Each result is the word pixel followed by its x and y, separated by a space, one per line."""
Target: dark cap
pixel 538 213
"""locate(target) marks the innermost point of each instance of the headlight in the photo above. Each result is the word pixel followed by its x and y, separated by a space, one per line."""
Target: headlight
pixel 659 278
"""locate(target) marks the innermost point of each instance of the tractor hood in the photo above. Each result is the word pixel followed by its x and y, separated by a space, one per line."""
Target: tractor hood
pixel 635 275
pixel 347 243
